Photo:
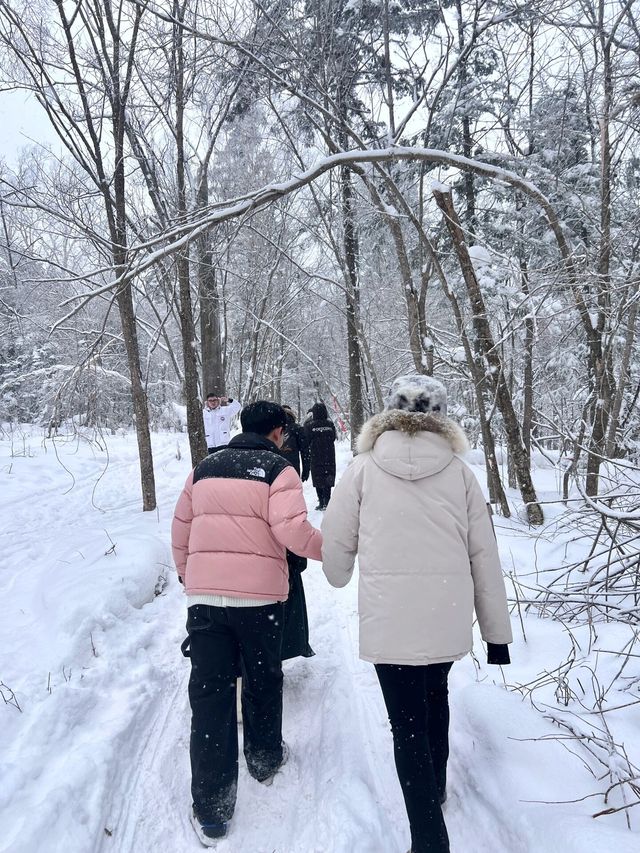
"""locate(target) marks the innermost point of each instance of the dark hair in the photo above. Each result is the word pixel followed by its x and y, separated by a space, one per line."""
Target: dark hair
pixel 212 394
pixel 262 417
pixel 291 416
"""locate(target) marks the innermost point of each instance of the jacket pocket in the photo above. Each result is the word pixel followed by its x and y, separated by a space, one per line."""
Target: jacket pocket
pixel 198 618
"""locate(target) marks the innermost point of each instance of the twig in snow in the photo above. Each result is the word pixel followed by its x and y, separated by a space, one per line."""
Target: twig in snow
pixel 10 697
pixel 112 549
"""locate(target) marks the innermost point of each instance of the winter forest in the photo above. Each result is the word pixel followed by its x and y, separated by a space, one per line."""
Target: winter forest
pixel 299 202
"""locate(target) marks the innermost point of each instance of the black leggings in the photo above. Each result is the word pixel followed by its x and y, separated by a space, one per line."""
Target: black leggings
pixel 417 703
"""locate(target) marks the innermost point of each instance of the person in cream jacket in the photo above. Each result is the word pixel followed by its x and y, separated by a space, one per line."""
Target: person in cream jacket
pixel 415 516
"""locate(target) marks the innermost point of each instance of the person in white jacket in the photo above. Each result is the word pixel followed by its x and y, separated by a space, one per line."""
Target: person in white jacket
pixel 415 516
pixel 217 414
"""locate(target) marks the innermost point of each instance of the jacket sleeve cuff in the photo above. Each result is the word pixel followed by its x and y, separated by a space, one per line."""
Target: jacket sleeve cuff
pixel 498 653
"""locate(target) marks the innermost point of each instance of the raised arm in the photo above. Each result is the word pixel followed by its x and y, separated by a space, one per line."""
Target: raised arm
pixel 233 407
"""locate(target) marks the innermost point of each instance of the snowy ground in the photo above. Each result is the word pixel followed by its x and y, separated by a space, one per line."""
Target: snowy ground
pixel 96 759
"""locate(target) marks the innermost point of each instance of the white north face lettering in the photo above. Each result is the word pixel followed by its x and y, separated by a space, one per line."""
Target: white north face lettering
pixel 256 472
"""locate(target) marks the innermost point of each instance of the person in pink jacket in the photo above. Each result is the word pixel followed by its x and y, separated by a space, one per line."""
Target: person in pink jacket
pixel 240 509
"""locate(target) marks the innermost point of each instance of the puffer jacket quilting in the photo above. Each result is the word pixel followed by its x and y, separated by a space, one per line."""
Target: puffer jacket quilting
pixel 239 511
pixel 416 516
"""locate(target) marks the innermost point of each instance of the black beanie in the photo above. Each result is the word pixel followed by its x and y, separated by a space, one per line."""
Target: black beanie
pixel 262 417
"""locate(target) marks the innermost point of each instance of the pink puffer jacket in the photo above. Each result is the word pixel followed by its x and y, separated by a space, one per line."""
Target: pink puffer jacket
pixel 239 511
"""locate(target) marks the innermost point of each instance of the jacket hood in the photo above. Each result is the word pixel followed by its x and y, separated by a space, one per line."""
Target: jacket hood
pixel 411 445
pixel 319 412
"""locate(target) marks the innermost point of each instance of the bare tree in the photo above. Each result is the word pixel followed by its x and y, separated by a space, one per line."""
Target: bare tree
pixel 95 55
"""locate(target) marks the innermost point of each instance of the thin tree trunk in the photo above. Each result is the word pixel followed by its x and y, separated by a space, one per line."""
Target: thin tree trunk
pixel 410 294
pixel 623 379
pixel 195 425
pixel 213 375
pixel 527 391
pixel 425 336
pixel 125 297
pixel 114 198
pixel 138 394
pixel 350 238
pixel 577 450
pixel 496 376
pixel 494 481
pixel 467 141
pixel 600 361
pixel 511 471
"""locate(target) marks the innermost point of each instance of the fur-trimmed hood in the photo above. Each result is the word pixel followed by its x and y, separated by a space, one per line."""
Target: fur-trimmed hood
pixel 411 445
pixel 411 423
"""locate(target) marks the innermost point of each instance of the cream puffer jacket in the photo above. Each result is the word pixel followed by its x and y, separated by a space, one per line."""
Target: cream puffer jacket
pixel 416 517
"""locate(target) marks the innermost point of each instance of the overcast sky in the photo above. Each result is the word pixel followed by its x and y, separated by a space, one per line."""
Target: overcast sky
pixel 22 123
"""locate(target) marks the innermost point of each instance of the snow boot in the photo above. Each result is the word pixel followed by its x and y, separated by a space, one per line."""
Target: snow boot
pixel 208 833
pixel 285 757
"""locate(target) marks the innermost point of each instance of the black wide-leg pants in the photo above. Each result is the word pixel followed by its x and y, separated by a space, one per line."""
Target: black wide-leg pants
pixel 225 641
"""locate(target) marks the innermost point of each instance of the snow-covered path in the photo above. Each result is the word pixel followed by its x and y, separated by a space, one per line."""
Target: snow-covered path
pixel 98 758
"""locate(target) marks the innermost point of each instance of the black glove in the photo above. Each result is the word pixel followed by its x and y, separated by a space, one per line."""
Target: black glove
pixel 305 474
pixel 181 580
pixel 498 653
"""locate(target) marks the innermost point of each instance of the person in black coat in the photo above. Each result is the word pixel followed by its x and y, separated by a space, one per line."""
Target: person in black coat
pixel 295 640
pixel 295 447
pixel 321 434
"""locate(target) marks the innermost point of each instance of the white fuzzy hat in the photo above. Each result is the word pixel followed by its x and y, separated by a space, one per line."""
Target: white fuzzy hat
pixel 417 393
